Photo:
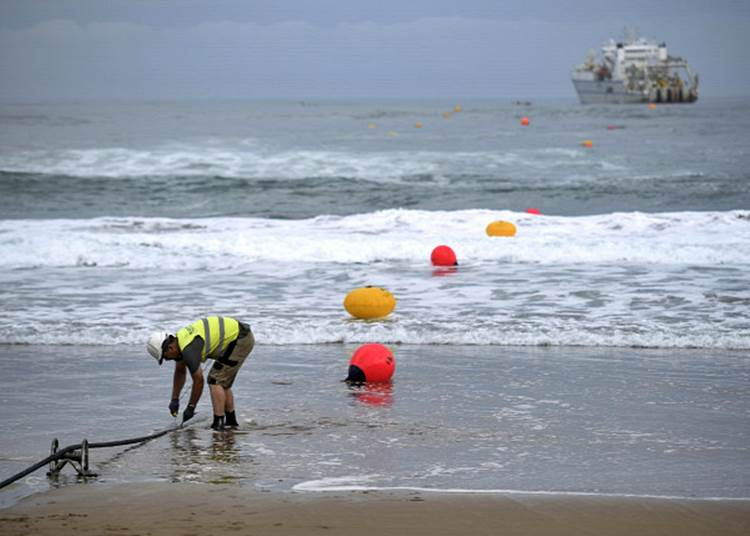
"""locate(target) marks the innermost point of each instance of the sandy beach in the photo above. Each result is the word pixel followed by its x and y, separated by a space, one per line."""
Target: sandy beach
pixel 162 508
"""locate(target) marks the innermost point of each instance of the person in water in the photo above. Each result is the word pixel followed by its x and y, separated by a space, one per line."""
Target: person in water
pixel 225 340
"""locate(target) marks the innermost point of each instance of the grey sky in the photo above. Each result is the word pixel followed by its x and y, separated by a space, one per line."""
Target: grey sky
pixel 136 49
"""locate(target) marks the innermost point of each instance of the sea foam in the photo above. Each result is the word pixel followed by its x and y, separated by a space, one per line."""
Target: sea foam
pixel 622 279
pixel 701 238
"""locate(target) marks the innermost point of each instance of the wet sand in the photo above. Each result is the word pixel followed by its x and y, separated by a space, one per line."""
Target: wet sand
pixel 201 509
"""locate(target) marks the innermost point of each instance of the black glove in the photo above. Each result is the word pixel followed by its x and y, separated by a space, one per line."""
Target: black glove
pixel 188 413
pixel 174 406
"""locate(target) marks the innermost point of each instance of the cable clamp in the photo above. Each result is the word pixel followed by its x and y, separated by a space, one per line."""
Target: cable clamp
pixel 79 459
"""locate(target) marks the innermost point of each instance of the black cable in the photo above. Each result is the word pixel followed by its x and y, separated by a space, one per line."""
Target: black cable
pixel 60 453
pixel 36 466
pixel 134 440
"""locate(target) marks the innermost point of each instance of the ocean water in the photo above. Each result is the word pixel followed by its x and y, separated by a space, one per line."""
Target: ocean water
pixel 488 419
pixel 119 218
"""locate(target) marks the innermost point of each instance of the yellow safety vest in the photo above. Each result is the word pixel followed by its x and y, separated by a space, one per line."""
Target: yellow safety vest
pixel 217 333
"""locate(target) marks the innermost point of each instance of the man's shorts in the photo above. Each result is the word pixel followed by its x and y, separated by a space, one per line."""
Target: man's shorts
pixel 225 369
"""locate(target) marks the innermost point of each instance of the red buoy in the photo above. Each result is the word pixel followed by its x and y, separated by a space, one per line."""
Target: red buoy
pixel 525 121
pixel 533 211
pixel 373 363
pixel 443 256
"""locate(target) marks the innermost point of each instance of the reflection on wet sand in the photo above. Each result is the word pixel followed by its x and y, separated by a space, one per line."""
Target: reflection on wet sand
pixel 207 456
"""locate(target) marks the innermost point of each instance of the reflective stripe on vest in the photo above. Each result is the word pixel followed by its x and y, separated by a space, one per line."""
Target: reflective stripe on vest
pixel 217 333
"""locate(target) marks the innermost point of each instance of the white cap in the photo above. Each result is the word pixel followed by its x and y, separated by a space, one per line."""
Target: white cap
pixel 155 341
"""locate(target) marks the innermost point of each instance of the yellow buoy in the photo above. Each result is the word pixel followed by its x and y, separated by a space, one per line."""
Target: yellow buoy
pixel 501 228
pixel 446 115
pixel 587 143
pixel 371 125
pixel 369 302
pixel 457 109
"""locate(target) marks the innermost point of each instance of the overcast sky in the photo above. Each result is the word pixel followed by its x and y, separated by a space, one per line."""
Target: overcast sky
pixel 174 49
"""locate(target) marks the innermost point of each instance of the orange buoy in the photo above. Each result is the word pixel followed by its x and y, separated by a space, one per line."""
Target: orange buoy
pixel 446 115
pixel 501 228
pixel 651 106
pixel 417 125
pixel 443 256
pixel 525 121
pixel 533 211
pixel 587 143
pixel 368 303
pixel 372 363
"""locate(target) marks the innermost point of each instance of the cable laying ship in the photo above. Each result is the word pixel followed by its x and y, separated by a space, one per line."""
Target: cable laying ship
pixel 635 71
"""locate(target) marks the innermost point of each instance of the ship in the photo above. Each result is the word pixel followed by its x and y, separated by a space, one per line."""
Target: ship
pixel 635 70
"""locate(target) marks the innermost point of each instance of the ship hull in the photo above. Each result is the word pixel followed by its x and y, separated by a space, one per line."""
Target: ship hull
pixel 606 92
pixel 614 92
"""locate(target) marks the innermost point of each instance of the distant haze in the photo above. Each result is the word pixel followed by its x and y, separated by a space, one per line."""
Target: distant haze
pixel 213 49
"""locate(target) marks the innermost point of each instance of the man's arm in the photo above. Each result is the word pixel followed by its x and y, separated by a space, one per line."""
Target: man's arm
pixel 197 391
pixel 191 358
pixel 180 372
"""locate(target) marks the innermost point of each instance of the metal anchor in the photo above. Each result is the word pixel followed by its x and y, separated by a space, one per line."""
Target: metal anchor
pixel 79 459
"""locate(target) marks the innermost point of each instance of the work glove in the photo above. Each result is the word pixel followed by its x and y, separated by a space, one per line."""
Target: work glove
pixel 188 413
pixel 174 406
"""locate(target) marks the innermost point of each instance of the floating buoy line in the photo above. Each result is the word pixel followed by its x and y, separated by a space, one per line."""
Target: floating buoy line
pixel 371 363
